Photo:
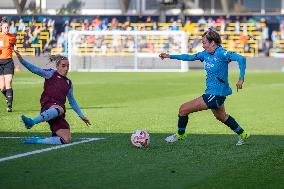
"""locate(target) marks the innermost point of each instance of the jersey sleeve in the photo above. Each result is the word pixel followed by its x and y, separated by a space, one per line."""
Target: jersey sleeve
pixel 232 56
pixel 74 105
pixel 36 70
pixel 188 57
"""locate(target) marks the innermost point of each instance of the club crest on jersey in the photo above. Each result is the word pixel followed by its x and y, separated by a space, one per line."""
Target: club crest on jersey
pixel 208 65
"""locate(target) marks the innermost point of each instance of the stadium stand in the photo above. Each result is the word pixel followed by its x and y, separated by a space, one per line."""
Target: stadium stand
pixel 247 37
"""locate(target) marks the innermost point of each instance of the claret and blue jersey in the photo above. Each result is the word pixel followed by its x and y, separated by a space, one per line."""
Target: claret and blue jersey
pixel 216 68
pixel 48 75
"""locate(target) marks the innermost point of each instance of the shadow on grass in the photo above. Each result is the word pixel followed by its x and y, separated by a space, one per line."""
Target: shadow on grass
pixel 201 161
pixel 157 139
pixel 17 110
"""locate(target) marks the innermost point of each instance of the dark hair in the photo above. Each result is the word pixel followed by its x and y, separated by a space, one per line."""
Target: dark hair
pixel 212 35
pixel 57 58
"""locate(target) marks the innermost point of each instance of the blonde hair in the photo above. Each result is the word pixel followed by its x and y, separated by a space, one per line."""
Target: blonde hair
pixel 57 58
pixel 3 21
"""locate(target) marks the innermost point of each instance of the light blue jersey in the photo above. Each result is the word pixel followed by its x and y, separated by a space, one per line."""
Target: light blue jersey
pixel 216 67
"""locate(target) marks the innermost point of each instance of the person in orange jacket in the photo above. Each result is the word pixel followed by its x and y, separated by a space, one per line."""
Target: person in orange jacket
pixel 7 44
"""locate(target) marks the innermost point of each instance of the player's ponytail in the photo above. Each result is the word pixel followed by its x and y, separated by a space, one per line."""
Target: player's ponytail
pixel 57 58
pixel 212 35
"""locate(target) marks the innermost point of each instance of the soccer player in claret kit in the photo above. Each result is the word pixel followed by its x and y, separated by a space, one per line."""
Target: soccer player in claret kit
pixel 7 43
pixel 216 60
pixel 56 88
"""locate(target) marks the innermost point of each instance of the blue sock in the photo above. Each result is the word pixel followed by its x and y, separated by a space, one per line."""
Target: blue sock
pixel 51 140
pixel 47 115
pixel 182 122
pixel 231 122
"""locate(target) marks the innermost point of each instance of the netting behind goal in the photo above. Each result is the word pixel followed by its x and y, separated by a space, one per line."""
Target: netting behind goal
pixel 125 50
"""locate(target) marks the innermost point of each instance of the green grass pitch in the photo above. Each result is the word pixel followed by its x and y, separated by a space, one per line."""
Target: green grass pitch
pixel 117 104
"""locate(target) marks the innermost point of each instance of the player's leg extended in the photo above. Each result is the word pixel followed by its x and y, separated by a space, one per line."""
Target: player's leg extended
pixel 228 120
pixel 51 113
pixel 185 109
pixel 63 136
pixel 8 78
pixel 60 133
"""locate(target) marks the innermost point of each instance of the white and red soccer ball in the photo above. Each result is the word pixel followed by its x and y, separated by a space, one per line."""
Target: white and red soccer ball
pixel 140 139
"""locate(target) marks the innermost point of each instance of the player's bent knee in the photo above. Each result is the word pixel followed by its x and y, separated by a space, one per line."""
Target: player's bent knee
pixel 183 111
pixel 66 140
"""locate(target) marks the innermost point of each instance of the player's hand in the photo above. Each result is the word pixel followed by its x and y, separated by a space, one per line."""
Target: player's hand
pixel 164 55
pixel 18 54
pixel 239 85
pixel 86 120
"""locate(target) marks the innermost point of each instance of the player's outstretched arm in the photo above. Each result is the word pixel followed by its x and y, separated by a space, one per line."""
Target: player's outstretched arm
pixel 34 69
pixel 76 107
pixel 185 57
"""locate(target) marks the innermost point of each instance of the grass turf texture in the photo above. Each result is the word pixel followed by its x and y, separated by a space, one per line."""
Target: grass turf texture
pixel 118 103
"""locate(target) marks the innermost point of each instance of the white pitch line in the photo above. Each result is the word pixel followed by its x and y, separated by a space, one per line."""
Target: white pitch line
pixel 15 137
pixel 29 137
pixel 47 149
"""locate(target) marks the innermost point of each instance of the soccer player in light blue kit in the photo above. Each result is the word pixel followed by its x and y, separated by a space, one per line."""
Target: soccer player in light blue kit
pixel 216 63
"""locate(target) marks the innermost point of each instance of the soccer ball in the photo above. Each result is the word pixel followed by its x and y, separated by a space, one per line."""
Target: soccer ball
pixel 140 139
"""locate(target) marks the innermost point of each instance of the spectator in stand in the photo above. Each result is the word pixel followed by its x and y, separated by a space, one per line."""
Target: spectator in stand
pixel 31 25
pixel 175 26
pixel 149 19
pixel 85 24
pixel 97 23
pixel 67 26
pixel 237 24
pixel 127 24
pixel 21 26
pixel 155 26
pixel 34 38
pixel 60 40
pixel 50 26
pixel 274 36
pixel 211 22
pixel 201 21
pixel 13 29
pixel 188 27
pixel 73 24
pixel 114 24
pixel 265 37
pixel 245 26
pixel 105 24
pixel 222 23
